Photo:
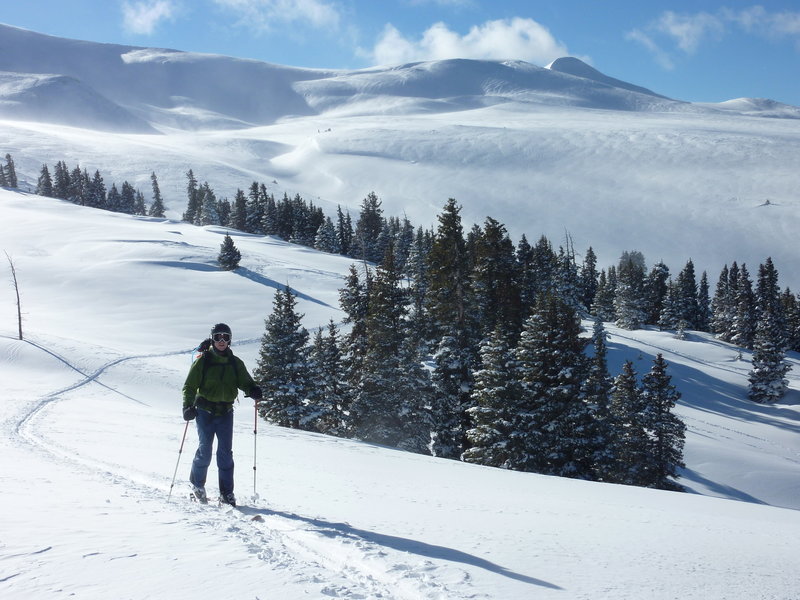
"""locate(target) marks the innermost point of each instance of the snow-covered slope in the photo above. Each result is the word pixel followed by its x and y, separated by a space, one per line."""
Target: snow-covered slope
pixel 90 432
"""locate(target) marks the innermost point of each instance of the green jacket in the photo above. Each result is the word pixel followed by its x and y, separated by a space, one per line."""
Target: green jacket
pixel 218 383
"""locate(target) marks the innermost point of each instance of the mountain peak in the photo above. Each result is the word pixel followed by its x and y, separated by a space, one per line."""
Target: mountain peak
pixel 576 67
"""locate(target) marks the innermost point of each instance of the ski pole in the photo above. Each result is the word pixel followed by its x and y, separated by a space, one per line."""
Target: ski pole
pixel 255 438
pixel 180 451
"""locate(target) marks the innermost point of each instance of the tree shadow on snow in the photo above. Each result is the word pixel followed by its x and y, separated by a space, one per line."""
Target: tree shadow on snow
pixel 260 279
pixel 346 531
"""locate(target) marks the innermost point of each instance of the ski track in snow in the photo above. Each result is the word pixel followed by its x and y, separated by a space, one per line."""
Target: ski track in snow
pixel 332 556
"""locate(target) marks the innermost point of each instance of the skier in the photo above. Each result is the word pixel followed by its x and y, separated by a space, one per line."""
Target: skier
pixel 208 394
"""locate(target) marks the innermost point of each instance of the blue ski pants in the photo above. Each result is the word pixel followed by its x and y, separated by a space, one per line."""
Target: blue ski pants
pixel 208 426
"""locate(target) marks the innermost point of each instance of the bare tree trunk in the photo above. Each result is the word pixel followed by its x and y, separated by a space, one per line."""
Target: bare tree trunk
pixel 16 290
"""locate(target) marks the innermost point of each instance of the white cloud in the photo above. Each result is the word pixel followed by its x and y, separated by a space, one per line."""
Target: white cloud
pixel 687 32
pixel 517 38
pixel 143 17
pixel 268 14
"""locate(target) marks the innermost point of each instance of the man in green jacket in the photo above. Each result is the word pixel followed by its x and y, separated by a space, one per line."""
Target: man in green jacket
pixel 211 387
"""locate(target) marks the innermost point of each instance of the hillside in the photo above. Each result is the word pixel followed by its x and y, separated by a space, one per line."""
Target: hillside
pixel 91 431
pixel 553 151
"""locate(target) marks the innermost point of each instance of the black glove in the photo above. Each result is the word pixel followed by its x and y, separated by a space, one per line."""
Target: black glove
pixel 189 413
pixel 255 393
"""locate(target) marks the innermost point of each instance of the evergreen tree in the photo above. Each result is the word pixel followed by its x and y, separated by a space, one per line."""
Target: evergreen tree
pixel 10 172
pixel 494 280
pixel 3 180
pixel 703 304
pixel 96 196
pixel 602 439
pixel 61 183
pixel 494 438
pixel 44 185
pixel 388 407
pixel 742 326
pixel 229 255
pixel 325 239
pixel 450 310
pixel 238 219
pixel 655 292
pixel 767 378
pixel 344 231
pixel 224 211
pixel 157 207
pixel 603 305
pixel 555 416
pixel 688 310
pixel 354 301
pixel 666 430
pixel 283 370
pixel 720 307
pixel 127 199
pixel 114 199
pixel 193 193
pixel 588 279
pixel 209 214
pixel 255 208
pixel 368 229
pixel 629 301
pixel 330 399
pixel 139 207
pixel 627 410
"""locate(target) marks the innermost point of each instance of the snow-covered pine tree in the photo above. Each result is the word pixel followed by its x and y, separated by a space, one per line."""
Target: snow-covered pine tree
pixel 127 195
pixel 96 192
pixel 588 279
pixel 742 327
pixel 494 439
pixel 655 292
pixel 630 467
pixel 139 207
pixel 686 290
pixel 44 185
pixel 703 304
pixel 229 255
pixel 721 315
pixel 208 214
pixel 603 305
pixel 325 239
pixel 364 245
pixel 376 405
pixel 283 370
pixel 10 172
pixel 554 416
pixel 329 401
pixel 767 378
pixel 604 438
pixel 193 204
pixel 454 331
pixel 666 431
pixel 629 302
pixel 157 206
pixel 354 301
pixel 494 280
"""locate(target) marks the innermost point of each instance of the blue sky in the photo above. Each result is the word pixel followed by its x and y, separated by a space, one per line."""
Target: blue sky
pixel 698 50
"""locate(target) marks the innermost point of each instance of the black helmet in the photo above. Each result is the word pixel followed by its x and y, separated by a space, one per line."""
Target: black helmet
pixel 220 328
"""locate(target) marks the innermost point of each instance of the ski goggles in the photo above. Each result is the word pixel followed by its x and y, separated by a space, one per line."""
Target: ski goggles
pixel 221 337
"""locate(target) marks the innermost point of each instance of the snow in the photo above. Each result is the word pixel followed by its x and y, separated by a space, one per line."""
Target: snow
pixel 542 150
pixel 91 432
pixel 90 422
